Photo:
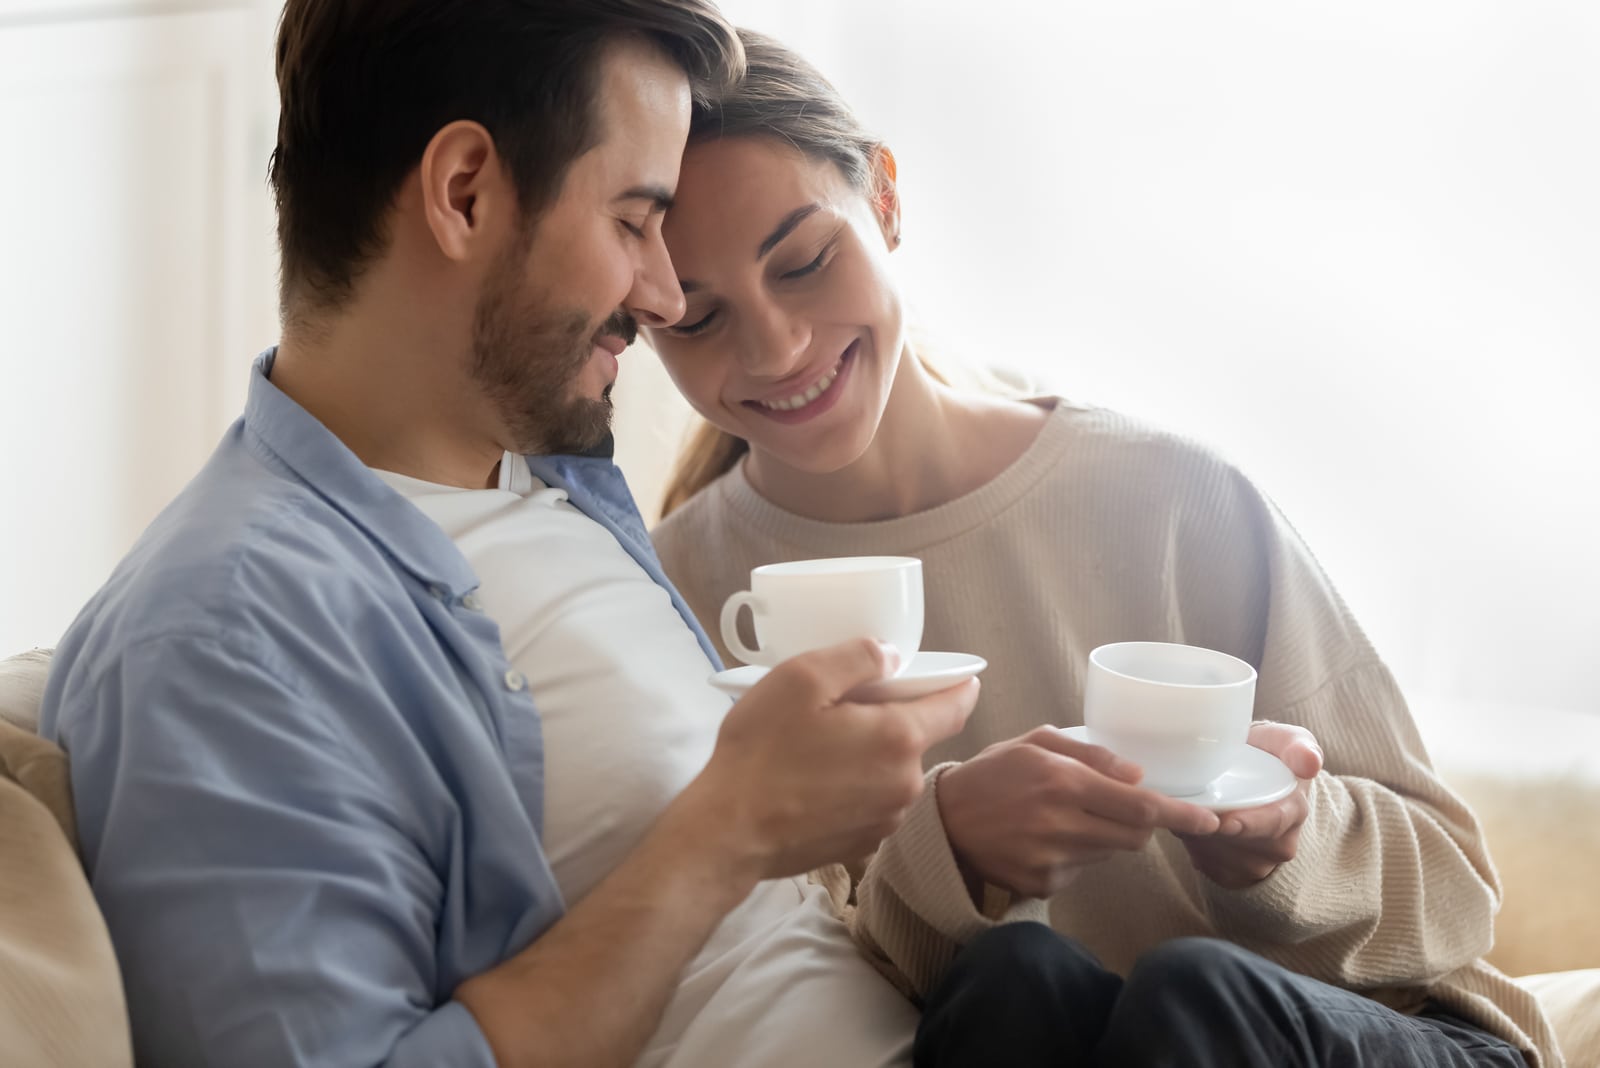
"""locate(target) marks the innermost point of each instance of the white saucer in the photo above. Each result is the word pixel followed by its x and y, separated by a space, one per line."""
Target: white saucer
pixel 1256 778
pixel 926 673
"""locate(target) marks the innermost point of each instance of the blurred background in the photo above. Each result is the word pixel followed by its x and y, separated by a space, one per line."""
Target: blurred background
pixel 1356 247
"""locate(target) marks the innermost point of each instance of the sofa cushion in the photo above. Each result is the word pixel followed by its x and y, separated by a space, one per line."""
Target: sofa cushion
pixel 61 1000
pixel 1572 1001
pixel 22 680
pixel 1547 852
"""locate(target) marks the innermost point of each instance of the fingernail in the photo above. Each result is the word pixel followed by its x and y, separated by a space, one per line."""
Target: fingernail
pixel 891 656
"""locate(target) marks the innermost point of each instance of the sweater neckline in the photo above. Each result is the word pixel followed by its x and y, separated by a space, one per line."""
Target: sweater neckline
pixel 919 530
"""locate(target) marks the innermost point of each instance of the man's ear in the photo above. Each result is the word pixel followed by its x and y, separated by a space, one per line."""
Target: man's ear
pixel 467 197
pixel 886 195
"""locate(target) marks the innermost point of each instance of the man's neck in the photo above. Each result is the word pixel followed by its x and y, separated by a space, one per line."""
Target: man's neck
pixel 393 399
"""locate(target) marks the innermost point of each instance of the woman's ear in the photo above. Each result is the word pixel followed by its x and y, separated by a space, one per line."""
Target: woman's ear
pixel 886 195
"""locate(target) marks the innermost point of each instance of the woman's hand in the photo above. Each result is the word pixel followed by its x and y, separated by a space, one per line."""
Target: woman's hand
pixel 1253 842
pixel 1025 814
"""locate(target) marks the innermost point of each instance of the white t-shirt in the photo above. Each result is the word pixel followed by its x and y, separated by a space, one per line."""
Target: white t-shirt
pixel 628 720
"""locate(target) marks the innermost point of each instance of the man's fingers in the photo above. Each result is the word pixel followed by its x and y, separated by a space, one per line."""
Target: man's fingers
pixel 833 672
pixel 942 715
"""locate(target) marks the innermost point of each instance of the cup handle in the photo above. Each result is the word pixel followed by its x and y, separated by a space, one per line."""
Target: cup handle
pixel 730 628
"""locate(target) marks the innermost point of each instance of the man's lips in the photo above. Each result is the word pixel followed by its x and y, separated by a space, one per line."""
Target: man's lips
pixel 617 332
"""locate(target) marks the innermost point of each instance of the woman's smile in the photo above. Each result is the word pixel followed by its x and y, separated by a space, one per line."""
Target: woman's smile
pixel 804 405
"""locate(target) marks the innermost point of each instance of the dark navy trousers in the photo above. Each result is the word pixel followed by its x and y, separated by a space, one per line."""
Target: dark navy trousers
pixel 1023 996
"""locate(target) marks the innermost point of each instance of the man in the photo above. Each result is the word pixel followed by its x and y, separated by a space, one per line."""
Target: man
pixel 342 806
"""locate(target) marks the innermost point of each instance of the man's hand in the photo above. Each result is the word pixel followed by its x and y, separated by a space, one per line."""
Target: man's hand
pixel 802 777
pixel 1253 842
pixel 1025 814
pixel 799 778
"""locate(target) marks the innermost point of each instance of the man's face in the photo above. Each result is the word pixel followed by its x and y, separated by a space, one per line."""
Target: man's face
pixel 565 300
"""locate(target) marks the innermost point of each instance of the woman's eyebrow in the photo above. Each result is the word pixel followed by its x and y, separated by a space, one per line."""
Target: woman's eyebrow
pixel 786 227
pixel 783 230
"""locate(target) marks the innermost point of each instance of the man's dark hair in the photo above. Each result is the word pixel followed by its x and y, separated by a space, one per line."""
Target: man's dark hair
pixel 365 84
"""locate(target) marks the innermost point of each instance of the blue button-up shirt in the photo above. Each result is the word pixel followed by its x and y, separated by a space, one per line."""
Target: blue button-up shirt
pixel 309 784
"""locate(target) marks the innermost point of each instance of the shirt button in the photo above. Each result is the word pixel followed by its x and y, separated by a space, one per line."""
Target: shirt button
pixel 515 681
pixel 471 603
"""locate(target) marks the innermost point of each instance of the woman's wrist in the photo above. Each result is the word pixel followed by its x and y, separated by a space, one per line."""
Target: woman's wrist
pixel 949 797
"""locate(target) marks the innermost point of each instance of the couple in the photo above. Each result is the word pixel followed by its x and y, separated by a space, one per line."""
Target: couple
pixel 391 738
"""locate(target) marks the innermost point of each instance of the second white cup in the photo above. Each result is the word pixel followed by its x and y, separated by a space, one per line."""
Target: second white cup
pixel 811 604
pixel 1180 712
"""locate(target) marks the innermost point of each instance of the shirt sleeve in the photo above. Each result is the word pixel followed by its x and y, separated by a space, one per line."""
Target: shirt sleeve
pixel 272 895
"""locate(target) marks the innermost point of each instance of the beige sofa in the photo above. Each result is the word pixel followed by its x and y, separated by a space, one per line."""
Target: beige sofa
pixel 61 1001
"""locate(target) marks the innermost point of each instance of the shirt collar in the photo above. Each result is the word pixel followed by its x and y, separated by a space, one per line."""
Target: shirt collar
pixel 330 469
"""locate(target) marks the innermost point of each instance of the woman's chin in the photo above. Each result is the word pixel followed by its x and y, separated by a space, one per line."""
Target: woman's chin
pixel 815 463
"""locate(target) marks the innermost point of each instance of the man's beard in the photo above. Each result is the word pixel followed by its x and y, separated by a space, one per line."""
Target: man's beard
pixel 528 358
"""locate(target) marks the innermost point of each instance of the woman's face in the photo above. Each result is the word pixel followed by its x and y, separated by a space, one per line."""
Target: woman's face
pixel 793 328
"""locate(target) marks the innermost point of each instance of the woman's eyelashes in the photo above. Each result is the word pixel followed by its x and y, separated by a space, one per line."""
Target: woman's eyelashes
pixel 699 326
pixel 692 328
pixel 810 268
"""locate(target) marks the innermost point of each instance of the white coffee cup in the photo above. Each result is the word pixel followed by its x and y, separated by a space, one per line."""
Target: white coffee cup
pixel 811 604
pixel 1180 712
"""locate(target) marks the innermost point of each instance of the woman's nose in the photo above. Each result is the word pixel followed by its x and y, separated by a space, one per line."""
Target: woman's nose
pixel 774 343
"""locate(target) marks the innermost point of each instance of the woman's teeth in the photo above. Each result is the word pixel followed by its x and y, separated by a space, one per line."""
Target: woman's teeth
pixel 800 400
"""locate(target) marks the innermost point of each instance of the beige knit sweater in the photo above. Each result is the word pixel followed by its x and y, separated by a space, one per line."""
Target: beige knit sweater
pixel 1106 530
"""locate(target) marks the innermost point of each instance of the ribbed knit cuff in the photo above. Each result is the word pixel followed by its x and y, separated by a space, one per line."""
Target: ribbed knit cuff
pixel 923 870
pixel 1268 911
pixel 914 912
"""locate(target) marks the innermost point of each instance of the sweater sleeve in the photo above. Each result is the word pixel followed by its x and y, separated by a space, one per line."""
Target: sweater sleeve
pixel 913 910
pixel 1391 884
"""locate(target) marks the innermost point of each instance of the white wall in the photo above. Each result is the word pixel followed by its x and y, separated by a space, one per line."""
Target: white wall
pixel 136 273
pixel 1353 245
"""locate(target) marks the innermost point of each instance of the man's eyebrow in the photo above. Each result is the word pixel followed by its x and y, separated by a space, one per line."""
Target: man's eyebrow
pixel 786 227
pixel 659 196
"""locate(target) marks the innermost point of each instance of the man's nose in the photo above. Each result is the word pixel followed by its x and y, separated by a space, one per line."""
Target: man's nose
pixel 656 298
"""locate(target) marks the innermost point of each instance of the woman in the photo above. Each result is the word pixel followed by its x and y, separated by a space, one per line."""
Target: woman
pixel 1047 528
